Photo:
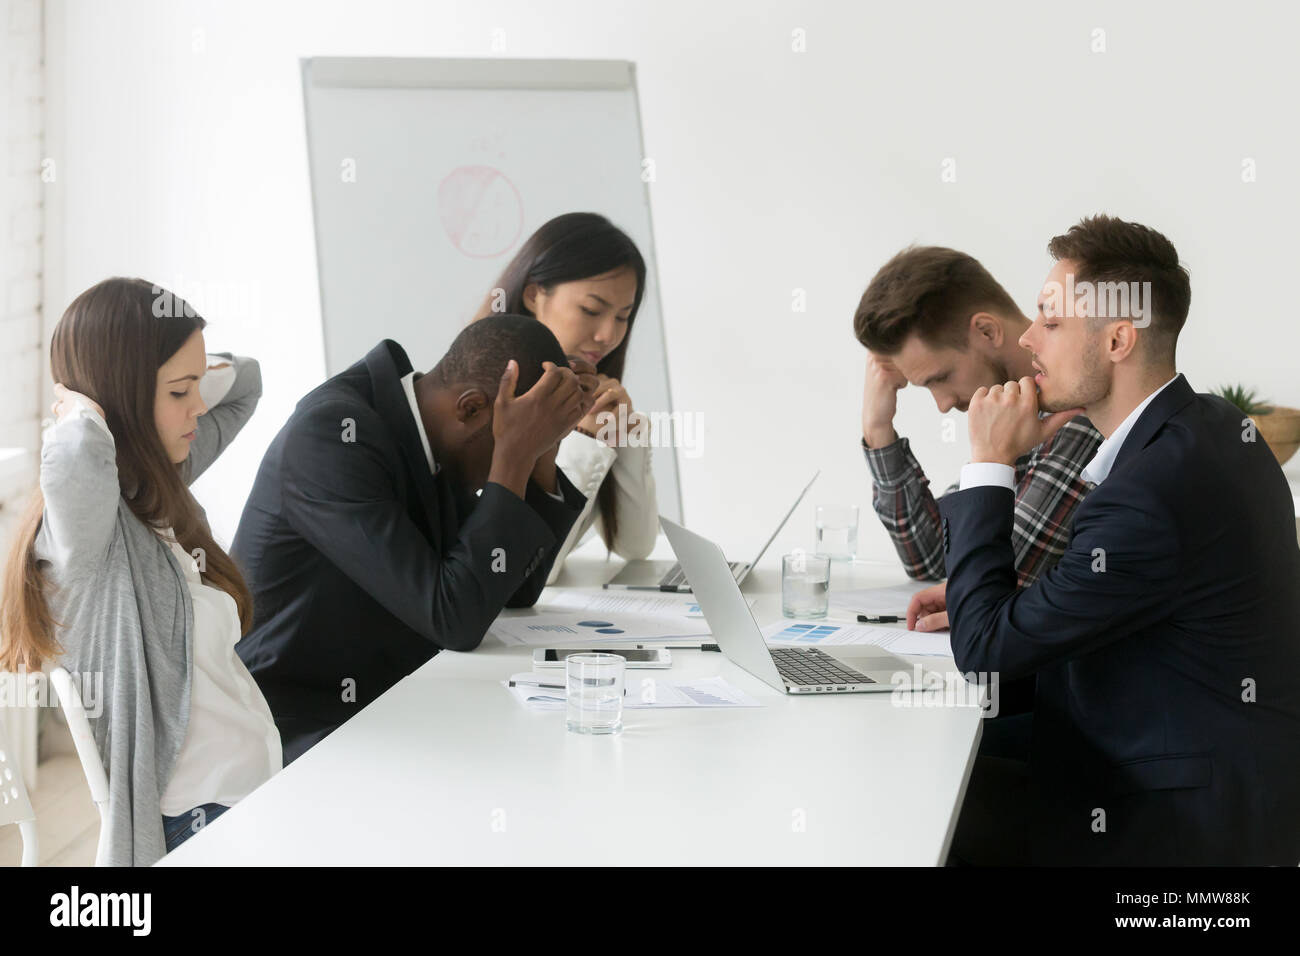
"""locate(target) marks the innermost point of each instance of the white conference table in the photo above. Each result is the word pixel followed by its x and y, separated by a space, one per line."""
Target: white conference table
pixel 447 767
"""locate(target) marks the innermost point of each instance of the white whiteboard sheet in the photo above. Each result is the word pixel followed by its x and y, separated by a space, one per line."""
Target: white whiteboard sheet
pixel 427 176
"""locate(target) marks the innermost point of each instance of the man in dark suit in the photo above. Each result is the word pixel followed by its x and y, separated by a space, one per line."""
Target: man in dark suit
pixel 1166 641
pixel 396 514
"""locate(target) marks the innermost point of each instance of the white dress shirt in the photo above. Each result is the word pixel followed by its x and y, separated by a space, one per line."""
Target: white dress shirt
pixel 408 386
pixel 1099 468
pixel 977 473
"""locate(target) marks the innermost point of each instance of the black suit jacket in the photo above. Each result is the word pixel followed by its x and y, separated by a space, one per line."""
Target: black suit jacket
pixel 1166 643
pixel 363 563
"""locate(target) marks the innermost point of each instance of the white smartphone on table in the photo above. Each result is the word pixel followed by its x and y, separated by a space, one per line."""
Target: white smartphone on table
pixel 637 657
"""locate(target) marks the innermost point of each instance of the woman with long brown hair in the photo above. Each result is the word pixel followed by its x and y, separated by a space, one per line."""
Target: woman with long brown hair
pixel 115 575
pixel 583 278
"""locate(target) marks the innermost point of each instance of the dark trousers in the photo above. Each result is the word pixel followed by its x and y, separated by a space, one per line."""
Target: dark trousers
pixel 992 829
pixel 178 829
pixel 298 735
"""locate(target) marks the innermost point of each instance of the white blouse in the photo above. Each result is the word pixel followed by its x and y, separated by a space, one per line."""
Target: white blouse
pixel 231 745
pixel 587 462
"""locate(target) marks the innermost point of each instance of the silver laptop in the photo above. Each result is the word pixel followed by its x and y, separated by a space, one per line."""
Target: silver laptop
pixel 669 576
pixel 793 670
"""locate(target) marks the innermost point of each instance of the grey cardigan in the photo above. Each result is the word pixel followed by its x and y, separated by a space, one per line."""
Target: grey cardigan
pixel 124 612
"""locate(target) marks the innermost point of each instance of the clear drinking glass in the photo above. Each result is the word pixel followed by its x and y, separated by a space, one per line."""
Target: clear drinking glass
pixel 805 585
pixel 837 531
pixel 595 692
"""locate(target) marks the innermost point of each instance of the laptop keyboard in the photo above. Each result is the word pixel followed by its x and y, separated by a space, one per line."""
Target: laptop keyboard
pixel 808 665
pixel 676 577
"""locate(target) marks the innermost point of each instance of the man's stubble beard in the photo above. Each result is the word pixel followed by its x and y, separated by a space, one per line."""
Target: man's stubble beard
pixel 1093 386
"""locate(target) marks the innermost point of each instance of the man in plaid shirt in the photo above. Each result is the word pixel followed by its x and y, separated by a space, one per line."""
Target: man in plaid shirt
pixel 936 318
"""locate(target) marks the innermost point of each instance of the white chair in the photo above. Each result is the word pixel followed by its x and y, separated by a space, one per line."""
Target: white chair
pixel 15 807
pixel 75 714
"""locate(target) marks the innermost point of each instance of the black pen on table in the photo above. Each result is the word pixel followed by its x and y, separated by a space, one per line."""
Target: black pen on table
pixel 878 618
pixel 528 683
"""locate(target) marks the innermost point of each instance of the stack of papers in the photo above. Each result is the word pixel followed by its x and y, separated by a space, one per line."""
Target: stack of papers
pixel 890 600
pixel 896 640
pixel 575 617
pixel 653 604
pixel 642 693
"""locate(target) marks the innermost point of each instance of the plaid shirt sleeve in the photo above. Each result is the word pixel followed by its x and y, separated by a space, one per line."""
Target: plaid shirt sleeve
pixel 1048 489
pixel 901 497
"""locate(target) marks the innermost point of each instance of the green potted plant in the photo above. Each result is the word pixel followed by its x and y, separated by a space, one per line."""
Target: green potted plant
pixel 1278 425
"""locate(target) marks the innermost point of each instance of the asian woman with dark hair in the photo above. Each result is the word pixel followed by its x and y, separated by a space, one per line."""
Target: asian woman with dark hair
pixel 584 278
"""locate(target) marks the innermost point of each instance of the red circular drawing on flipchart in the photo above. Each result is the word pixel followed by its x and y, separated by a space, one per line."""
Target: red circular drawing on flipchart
pixel 481 210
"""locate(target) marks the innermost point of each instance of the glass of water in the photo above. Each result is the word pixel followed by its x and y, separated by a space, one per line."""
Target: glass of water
pixel 595 692
pixel 837 531
pixel 805 585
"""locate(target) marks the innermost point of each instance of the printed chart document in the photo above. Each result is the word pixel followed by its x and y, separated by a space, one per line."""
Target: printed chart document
pixel 888 600
pixel 602 601
pixel 643 692
pixel 598 600
pixel 896 640
pixel 564 628
pixel 571 616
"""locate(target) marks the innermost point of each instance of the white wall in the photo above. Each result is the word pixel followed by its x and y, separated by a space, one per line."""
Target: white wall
pixel 179 131
pixel 21 228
